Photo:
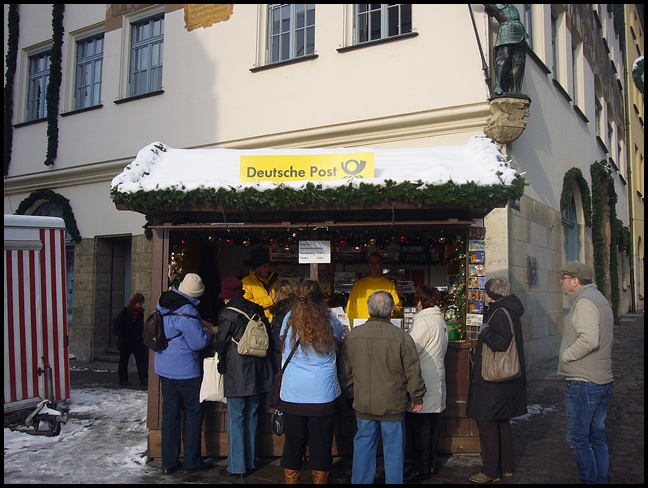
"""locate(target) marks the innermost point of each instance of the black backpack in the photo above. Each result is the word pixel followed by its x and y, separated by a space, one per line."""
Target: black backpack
pixel 153 333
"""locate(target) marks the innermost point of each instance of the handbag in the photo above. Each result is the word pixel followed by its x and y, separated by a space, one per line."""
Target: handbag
pixel 212 386
pixel 274 399
pixel 501 366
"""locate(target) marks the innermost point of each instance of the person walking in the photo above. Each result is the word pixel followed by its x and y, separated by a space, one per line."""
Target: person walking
pixel 246 378
pixel 129 325
pixel 260 281
pixel 383 374
pixel 310 387
pixel 491 404
pixel 180 370
pixel 430 334
pixel 283 296
pixel 585 361
pixel 361 290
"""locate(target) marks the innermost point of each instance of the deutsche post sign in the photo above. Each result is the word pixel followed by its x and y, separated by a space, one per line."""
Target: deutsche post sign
pixel 301 167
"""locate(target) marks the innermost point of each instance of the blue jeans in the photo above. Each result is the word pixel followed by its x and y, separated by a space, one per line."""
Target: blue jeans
pixel 586 405
pixel 172 392
pixel 243 420
pixel 365 444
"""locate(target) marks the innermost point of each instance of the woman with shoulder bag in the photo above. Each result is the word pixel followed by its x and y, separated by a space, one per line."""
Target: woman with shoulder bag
pixel 310 386
pixel 493 404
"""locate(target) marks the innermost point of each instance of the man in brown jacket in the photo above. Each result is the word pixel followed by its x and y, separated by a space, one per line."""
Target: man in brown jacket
pixel 383 374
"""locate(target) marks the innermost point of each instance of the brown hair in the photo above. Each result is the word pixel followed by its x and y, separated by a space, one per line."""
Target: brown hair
pixel 310 319
pixel 283 290
pixel 429 296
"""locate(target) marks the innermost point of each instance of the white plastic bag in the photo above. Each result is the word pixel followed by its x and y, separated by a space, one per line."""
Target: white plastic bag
pixel 212 387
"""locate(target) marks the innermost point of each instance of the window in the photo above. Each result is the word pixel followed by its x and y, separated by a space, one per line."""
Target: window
pixel 554 47
pixel 39 73
pixel 598 113
pixel 610 137
pixel 89 65
pixel 528 24
pixel 291 31
pixel 147 49
pixel 375 21
pixel 571 232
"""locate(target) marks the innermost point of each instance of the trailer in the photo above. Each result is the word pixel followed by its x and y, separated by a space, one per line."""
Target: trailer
pixel 36 355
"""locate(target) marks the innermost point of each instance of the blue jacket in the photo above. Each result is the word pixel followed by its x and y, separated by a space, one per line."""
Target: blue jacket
pixel 181 359
pixel 310 377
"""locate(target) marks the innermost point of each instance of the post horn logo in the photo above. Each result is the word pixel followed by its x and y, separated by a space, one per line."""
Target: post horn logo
pixel 353 167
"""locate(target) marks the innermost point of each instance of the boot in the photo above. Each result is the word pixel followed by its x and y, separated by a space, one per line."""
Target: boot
pixel 320 477
pixel 292 476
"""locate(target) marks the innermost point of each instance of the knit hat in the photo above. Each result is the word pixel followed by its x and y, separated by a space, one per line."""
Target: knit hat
pixel 192 285
pixel 492 295
pixel 230 288
pixel 259 258
pixel 580 270
pixel 138 298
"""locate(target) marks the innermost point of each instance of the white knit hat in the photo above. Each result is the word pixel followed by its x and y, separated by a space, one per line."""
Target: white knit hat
pixel 192 285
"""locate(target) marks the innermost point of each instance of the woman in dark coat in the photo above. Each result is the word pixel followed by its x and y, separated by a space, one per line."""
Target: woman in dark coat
pixel 492 405
pixel 129 325
pixel 283 296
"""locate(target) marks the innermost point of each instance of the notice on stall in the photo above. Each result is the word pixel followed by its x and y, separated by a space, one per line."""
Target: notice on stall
pixel 314 252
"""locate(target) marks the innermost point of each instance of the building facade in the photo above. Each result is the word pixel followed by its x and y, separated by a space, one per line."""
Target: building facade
pixel 88 86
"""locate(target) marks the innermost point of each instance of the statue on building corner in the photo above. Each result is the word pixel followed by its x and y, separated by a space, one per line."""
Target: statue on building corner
pixel 509 51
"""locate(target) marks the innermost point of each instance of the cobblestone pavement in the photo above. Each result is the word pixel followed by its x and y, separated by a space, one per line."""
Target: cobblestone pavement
pixel 542 455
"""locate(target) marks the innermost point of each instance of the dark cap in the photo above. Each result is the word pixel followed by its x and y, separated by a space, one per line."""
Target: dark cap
pixel 580 270
pixel 259 258
pixel 138 298
pixel 230 288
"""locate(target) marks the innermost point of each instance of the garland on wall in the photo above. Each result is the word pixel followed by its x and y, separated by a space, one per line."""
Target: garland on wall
pixel 575 175
pixel 53 95
pixel 13 22
pixel 61 202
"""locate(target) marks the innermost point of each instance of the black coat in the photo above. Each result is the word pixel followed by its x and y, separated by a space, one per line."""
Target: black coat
pixel 244 375
pixel 499 401
pixel 130 327
pixel 279 311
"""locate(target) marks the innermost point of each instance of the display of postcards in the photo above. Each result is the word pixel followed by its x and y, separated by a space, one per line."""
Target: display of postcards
pixel 474 319
pixel 476 295
pixel 475 307
pixel 472 333
pixel 476 245
pixel 477 282
pixel 477 257
pixel 476 270
pixel 477 233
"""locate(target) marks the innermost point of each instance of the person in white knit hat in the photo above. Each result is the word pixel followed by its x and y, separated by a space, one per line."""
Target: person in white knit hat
pixel 179 369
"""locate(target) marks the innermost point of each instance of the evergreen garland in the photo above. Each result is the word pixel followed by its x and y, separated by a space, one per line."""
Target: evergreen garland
pixel 60 201
pixel 53 95
pixel 568 193
pixel 13 21
pixel 638 74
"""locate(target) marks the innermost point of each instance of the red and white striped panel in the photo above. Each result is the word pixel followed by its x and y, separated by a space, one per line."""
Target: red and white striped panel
pixel 35 320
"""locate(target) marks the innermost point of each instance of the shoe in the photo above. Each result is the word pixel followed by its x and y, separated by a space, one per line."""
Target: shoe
pixel 415 475
pixel 124 383
pixel 167 471
pixel 506 474
pixel 435 470
pixel 481 478
pixel 227 474
pixel 203 466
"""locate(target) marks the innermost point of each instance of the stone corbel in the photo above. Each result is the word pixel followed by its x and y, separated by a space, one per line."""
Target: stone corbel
pixel 507 121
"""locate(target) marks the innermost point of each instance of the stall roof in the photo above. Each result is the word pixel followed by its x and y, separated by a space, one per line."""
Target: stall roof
pixel 205 185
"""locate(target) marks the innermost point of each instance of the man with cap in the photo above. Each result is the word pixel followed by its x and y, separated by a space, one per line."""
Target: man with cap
pixel 129 325
pixel 585 360
pixel 180 370
pixel 260 282
pixel 246 378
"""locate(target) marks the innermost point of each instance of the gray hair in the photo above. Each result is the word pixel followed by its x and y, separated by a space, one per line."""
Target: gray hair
pixel 380 304
pixel 498 287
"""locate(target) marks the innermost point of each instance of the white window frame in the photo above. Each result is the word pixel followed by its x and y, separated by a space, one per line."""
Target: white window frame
pixel 571 234
pixel 384 11
pixel 298 34
pixel 94 84
pixel 146 63
pixel 34 79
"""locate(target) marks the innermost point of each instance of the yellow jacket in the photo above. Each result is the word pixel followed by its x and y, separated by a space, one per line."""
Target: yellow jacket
pixel 259 290
pixel 362 289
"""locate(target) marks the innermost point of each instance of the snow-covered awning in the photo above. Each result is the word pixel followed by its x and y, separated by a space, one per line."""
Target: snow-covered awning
pixel 162 179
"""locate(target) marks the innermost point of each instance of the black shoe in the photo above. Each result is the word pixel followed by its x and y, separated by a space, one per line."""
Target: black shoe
pixel 227 474
pixel 166 471
pixel 415 475
pixel 203 466
pixel 124 383
pixel 435 470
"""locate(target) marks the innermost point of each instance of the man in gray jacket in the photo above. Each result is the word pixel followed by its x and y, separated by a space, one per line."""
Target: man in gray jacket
pixel 383 374
pixel 585 360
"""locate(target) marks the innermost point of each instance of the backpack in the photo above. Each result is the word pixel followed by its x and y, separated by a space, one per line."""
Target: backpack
pixel 254 341
pixel 153 332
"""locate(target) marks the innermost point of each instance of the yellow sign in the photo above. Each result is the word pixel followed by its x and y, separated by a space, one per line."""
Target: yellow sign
pixel 299 167
pixel 204 15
